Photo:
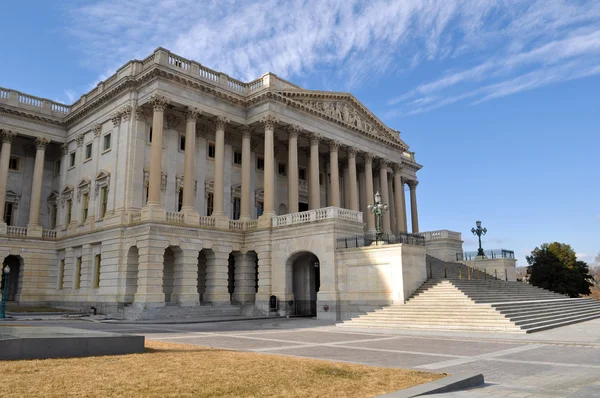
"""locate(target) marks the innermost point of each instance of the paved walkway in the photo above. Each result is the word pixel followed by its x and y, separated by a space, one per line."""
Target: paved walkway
pixel 562 362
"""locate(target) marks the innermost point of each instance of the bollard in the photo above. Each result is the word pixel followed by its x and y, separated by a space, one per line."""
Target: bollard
pixel 445 274
pixel 460 273
pixel 468 273
pixel 506 274
pixel 485 274
pixel 496 273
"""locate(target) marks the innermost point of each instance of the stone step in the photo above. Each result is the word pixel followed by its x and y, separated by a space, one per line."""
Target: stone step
pixel 552 318
pixel 501 329
pixel 563 322
pixel 547 308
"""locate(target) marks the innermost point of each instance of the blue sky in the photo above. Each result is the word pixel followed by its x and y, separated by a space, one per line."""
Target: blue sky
pixel 499 99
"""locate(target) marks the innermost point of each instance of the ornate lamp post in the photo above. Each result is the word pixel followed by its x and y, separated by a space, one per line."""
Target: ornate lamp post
pixel 5 292
pixel 479 232
pixel 379 209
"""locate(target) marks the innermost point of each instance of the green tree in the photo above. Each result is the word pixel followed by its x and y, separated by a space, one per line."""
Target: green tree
pixel 554 266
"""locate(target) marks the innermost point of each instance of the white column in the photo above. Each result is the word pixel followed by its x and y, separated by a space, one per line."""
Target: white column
pixel 346 186
pixel 314 198
pixel 399 199
pixel 269 122
pixel 335 174
pixel 385 197
pixel 188 208
pixel 353 181
pixel 414 214
pixel 6 137
pixel 219 181
pixel 153 209
pixel 369 191
pixel 392 206
pixel 246 168
pixel 33 227
pixel 293 168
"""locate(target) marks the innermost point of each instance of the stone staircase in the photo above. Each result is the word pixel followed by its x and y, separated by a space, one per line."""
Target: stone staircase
pixel 438 269
pixel 480 305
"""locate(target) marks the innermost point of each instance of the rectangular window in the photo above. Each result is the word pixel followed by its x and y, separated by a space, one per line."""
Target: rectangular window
pixel 211 150
pixel 53 212
pixel 57 164
pixel 106 143
pixel 86 202
pixel 236 208
pixel 209 204
pixel 150 135
pixel 180 200
pixel 97 262
pixel 9 213
pixel 182 143
pixel 302 173
pixel 281 169
pixel 88 151
pixel 72 159
pixel 61 274
pixel 68 213
pixel 146 190
pixel 14 163
pixel 259 209
pixel 77 273
pixel 237 158
pixel 103 201
pixel 260 163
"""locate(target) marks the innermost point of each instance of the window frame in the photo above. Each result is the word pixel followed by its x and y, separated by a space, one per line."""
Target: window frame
pixel 97 266
pixel 78 266
pixel 72 160
pixel 302 171
pixel 68 212
pixel 235 153
pixel 180 142
pixel 262 159
pixel 17 159
pixel 90 146
pixel 85 208
pixel 104 140
pixel 279 166
pixel 208 146
pixel 210 203
pixel 9 220
pixel 103 201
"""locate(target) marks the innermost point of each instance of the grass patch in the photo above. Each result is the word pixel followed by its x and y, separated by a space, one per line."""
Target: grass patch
pixel 178 370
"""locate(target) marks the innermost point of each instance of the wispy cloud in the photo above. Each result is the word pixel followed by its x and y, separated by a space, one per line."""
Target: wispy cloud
pixel 71 96
pixel 351 41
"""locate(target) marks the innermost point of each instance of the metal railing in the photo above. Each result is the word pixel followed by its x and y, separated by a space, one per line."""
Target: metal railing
pixel 493 253
pixel 347 242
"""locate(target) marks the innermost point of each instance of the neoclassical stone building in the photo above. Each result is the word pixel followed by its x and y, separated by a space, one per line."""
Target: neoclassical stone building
pixel 171 188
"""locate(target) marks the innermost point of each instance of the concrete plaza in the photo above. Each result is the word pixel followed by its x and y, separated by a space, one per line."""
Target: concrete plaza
pixel 563 362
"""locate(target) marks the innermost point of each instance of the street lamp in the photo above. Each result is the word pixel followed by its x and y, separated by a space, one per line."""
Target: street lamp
pixel 479 232
pixel 378 209
pixel 5 292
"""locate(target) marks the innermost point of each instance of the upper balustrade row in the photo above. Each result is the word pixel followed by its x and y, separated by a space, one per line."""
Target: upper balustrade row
pixel 41 105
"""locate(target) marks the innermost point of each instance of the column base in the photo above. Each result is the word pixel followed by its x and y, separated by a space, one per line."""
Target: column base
pixel 149 300
pixel 264 221
pixel 35 231
pixel 186 299
pixel 154 212
pixel 190 216
pixel 218 298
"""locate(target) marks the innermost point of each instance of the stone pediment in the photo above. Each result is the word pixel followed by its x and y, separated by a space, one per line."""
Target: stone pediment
pixel 346 109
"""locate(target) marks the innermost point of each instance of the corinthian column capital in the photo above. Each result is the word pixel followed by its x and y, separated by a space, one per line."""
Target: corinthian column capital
pixel 246 131
pixel 97 129
pixel 116 119
pixel 7 135
pixel 334 146
pixel 293 130
pixel 383 163
pixel 192 113
pixel 412 184
pixel 351 151
pixel 269 121
pixel 159 102
pixel 79 139
pixel 368 158
pixel 314 138
pixel 221 122
pixel 64 149
pixel 397 168
pixel 41 143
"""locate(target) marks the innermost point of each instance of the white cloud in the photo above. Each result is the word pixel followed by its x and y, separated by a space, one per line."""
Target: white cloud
pixel 71 96
pixel 346 42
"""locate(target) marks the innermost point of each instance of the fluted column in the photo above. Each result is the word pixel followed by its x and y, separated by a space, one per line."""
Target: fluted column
pixel 414 214
pixel 314 198
pixel 219 182
pixel 385 193
pixel 246 168
pixel 353 183
pixel 399 199
pixel 189 174
pixel 6 137
pixel 334 200
pixel 293 168
pixel 404 206
pixel 269 122
pixel 369 189
pixel 159 103
pixel 36 189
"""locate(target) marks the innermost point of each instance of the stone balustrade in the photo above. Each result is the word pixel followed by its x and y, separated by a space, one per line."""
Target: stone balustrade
pixel 42 105
pixel 12 230
pixel 441 234
pixel 174 218
pixel 207 221
pixel 317 215
pixel 49 234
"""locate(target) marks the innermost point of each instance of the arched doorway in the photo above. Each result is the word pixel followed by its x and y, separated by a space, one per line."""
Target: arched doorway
pixel 306 277
pixel 14 279
pixel 131 274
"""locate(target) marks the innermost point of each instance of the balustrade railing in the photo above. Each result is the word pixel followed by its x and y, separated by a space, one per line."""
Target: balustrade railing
pixel 317 215
pixel 12 230
pixel 208 74
pixel 49 234
pixel 29 100
pixel 4 93
pixel 255 85
pixel 236 84
pixel 347 242
pixel 176 218
pixel 206 221
pixel 441 234
pixel 179 62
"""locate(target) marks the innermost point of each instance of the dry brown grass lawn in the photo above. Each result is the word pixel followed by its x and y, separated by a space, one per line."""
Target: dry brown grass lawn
pixel 177 370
